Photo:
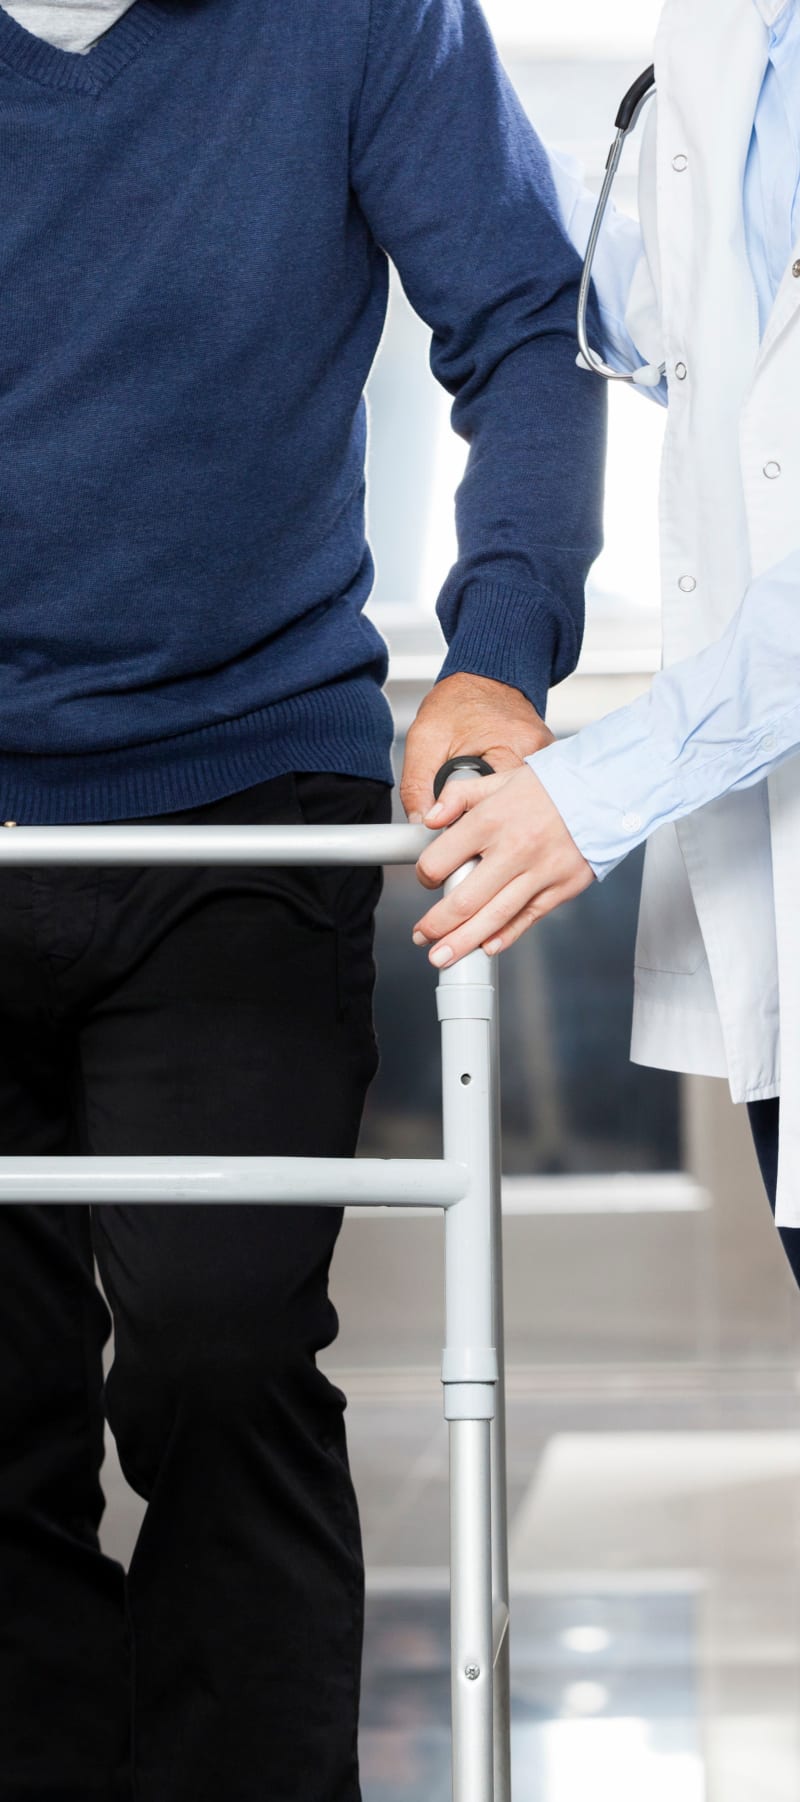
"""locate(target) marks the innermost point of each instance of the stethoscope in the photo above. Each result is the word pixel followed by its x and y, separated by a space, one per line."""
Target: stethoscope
pixel 650 374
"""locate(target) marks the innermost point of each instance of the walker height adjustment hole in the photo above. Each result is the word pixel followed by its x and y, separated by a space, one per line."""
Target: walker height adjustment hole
pixel 465 1079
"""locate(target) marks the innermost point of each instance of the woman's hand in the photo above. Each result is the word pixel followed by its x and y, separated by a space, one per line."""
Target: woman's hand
pixel 529 864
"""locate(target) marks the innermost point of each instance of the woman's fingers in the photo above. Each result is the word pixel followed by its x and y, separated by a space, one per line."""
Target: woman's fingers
pixel 524 852
pixel 461 794
pixel 506 917
pixel 490 877
pixel 473 822
pixel 486 925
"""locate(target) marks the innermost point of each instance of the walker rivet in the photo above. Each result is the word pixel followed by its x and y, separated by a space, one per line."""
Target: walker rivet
pixel 472 1671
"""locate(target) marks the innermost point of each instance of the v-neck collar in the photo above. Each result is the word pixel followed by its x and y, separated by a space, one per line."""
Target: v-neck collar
pixel 39 61
pixel 774 12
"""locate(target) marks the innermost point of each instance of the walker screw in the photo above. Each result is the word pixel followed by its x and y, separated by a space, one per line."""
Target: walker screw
pixel 472 1671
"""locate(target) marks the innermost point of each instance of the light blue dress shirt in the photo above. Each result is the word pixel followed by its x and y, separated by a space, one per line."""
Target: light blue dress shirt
pixel 721 720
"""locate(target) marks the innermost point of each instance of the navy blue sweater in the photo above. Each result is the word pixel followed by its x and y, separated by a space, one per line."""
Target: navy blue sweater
pixel 195 220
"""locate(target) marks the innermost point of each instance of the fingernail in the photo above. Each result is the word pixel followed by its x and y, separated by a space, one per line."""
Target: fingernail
pixel 441 956
pixel 435 812
pixel 493 947
pixel 415 819
pixel 418 938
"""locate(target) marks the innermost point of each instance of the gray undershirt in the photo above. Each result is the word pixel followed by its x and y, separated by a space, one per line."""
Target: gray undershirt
pixel 67 24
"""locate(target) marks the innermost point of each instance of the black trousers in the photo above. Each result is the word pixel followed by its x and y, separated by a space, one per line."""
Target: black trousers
pixel 147 1011
pixel 765 1123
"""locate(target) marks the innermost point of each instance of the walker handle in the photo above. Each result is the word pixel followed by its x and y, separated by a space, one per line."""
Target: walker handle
pixel 460 766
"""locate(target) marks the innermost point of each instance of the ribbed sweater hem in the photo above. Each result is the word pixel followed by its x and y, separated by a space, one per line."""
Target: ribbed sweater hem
pixel 509 634
pixel 345 729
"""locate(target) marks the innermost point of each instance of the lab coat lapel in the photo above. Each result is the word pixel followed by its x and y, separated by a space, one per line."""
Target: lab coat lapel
pixel 710 56
pixel 785 309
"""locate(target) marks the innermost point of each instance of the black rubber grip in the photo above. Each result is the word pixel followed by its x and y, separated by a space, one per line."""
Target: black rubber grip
pixel 634 97
pixel 477 766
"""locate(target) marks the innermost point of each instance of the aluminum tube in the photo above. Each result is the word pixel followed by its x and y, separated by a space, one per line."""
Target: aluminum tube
pixel 500 1583
pixel 471 1627
pixel 333 1182
pixel 467 1110
pixel 466 1005
pixel 112 845
pixel 500 1624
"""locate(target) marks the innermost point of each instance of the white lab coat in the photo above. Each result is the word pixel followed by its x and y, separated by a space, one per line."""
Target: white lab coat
pixel 718 950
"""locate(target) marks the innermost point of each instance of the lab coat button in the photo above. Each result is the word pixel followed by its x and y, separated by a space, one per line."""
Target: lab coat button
pixel 796 268
pixel 631 822
pixel 687 584
pixel 681 371
pixel 772 471
pixel 680 164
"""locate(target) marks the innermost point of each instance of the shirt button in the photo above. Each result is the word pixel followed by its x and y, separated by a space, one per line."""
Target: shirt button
pixel 768 743
pixel 631 822
pixel 681 371
pixel 772 471
pixel 680 164
pixel 687 584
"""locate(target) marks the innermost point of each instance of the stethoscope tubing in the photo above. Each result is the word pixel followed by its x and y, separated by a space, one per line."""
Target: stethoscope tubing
pixel 641 90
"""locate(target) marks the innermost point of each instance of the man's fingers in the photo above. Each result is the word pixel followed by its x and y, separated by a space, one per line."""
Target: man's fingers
pixel 501 757
pixel 458 794
pixel 419 769
pixel 417 799
pixel 425 756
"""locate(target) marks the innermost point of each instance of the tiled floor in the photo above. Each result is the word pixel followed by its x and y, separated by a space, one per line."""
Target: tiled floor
pixel 655 1531
pixel 618 1719
pixel 654 1490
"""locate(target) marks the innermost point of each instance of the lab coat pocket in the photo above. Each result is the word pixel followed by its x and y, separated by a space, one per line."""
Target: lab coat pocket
pixel 669 939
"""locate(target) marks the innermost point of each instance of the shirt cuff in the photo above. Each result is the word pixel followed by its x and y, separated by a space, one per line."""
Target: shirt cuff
pixel 509 636
pixel 611 786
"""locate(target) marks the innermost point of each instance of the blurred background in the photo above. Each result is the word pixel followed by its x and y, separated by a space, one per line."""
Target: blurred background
pixel 653 1330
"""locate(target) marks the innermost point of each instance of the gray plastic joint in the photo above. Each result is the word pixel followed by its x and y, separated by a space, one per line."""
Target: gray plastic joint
pixel 469 1364
pixel 465 1001
pixel 469 1401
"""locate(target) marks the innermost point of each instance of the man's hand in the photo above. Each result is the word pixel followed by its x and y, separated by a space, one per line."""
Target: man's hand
pixel 529 864
pixel 467 715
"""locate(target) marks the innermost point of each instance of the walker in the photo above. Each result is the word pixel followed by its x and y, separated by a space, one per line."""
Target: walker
pixel 465 1183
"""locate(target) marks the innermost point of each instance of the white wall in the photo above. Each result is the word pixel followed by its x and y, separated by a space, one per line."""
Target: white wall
pixel 597 28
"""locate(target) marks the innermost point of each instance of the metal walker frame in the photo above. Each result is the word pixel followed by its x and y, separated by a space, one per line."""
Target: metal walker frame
pixel 465 1183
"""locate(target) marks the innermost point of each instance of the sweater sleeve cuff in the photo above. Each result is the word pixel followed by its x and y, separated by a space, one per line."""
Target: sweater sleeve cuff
pixel 611 787
pixel 507 635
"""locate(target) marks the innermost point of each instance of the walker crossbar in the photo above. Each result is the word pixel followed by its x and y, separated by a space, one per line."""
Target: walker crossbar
pixel 465 1184
pixel 328 1182
pixel 285 845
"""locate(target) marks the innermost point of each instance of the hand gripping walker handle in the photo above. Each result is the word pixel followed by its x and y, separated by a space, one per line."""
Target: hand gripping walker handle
pixel 460 766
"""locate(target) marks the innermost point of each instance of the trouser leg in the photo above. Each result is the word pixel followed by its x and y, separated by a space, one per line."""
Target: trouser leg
pixel 765 1125
pixel 241 1024
pixel 64 1703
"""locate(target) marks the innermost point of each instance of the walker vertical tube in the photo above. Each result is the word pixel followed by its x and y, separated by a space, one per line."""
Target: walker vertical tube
pixel 500 1582
pixel 466 998
pixel 471 1611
